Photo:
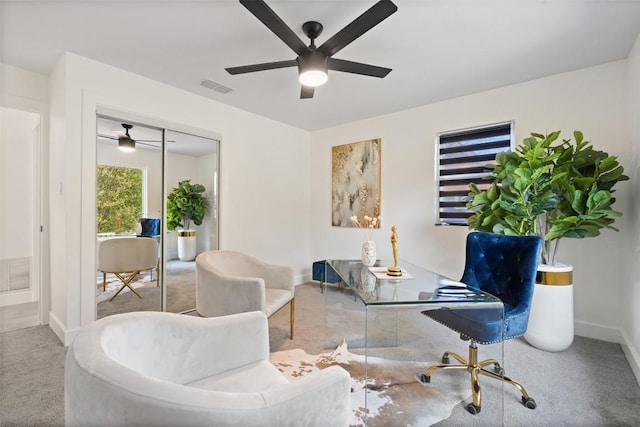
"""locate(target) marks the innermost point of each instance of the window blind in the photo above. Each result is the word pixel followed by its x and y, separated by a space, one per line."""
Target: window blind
pixel 462 156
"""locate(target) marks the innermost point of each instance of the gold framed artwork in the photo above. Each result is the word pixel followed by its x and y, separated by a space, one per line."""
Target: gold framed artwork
pixel 355 182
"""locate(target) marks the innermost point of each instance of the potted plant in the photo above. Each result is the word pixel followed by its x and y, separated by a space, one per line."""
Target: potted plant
pixel 185 204
pixel 554 190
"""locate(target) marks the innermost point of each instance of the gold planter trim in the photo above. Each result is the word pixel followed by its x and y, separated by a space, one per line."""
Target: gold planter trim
pixel 554 276
pixel 187 233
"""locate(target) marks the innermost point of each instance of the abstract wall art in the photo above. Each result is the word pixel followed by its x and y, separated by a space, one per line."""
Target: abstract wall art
pixel 355 181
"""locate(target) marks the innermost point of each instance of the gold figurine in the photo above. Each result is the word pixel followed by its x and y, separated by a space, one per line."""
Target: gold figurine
pixel 395 270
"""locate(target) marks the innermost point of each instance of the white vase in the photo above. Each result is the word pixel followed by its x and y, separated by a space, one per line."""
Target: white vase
pixel 368 255
pixel 186 245
pixel 550 325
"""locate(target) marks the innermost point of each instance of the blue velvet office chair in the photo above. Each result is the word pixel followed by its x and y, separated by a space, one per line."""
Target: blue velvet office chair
pixel 504 266
pixel 150 227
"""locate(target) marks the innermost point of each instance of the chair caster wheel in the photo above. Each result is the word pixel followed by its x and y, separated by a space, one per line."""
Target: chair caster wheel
pixel 425 379
pixel 498 370
pixel 446 360
pixel 473 409
pixel 529 402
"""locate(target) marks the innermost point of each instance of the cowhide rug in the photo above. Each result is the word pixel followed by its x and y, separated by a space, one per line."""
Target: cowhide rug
pixel 396 397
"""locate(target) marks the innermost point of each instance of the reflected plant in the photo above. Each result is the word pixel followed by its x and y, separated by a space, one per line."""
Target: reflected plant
pixel 186 203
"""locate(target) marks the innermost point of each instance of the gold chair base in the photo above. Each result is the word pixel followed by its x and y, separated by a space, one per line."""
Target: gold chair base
pixel 126 283
pixel 476 368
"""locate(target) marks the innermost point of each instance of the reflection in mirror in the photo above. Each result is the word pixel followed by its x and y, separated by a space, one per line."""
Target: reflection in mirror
pixel 129 210
pixel 194 159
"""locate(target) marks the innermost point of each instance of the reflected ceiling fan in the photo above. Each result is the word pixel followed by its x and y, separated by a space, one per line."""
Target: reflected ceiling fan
pixel 314 62
pixel 128 144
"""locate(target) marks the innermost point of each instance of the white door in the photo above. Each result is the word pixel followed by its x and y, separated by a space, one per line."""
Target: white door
pixel 20 212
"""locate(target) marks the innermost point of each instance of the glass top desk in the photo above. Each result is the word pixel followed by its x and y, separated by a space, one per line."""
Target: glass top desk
pixel 381 313
pixel 417 286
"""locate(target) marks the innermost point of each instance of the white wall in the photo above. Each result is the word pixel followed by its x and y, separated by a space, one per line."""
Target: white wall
pixel 576 100
pixel 264 196
pixel 630 290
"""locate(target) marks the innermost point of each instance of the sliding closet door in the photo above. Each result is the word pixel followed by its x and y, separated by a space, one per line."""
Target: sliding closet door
pixel 194 159
pixel 129 206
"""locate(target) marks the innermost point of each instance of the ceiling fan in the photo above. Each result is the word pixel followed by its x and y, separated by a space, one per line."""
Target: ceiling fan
pixel 128 144
pixel 314 62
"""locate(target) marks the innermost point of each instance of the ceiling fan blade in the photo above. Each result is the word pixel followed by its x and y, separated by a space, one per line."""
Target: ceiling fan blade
pixel 272 21
pixel 115 138
pixel 261 67
pixel 306 92
pixel 369 19
pixel 357 68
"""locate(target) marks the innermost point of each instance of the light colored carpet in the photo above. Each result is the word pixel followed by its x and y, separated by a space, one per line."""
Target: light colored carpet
pixel 394 397
pixel 180 285
pixel 590 384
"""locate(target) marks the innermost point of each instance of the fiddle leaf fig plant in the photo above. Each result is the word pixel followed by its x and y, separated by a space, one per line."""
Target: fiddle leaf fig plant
pixel 186 203
pixel 548 188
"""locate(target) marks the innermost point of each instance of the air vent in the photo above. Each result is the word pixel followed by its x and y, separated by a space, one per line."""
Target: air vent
pixel 210 84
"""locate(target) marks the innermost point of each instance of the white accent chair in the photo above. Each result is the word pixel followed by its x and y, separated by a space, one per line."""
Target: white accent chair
pixel 229 282
pixel 126 257
pixel 165 369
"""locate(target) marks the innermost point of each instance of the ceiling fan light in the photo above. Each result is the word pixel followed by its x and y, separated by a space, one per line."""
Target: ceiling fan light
pixel 313 78
pixel 312 68
pixel 127 145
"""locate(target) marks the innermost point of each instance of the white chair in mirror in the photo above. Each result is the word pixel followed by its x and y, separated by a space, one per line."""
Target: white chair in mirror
pixel 126 257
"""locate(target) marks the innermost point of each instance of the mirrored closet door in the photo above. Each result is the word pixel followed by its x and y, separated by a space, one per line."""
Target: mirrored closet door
pixel 145 257
pixel 191 173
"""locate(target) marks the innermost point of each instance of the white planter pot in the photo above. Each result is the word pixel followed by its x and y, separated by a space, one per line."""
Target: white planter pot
pixel 551 317
pixel 187 245
pixel 368 255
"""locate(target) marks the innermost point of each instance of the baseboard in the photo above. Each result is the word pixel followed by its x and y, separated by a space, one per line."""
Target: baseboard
pixel 598 332
pixel 302 278
pixel 66 337
pixel 632 354
pixel 616 335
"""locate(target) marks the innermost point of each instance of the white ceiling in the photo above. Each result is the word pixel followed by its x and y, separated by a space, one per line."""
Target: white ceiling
pixel 438 49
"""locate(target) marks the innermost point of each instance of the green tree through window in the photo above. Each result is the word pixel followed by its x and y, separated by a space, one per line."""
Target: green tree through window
pixel 119 198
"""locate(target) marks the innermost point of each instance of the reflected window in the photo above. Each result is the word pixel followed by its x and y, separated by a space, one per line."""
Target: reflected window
pixel 120 192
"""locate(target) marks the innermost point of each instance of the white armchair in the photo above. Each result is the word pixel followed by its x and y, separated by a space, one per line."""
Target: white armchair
pixel 229 282
pixel 164 369
pixel 126 257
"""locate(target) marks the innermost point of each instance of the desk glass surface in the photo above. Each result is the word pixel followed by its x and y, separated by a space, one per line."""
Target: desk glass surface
pixel 418 286
pixel 391 315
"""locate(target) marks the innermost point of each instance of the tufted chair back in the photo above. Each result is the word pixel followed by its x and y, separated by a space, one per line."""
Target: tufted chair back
pixel 504 266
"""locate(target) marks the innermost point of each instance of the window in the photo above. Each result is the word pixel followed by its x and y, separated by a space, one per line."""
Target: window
pixel 462 156
pixel 120 198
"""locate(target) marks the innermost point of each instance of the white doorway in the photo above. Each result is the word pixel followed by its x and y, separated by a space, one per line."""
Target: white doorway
pixel 20 218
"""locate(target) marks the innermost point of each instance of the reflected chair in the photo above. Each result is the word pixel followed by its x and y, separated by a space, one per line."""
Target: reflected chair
pixel 150 227
pixel 229 282
pixel 126 257
pixel 504 266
